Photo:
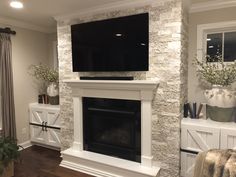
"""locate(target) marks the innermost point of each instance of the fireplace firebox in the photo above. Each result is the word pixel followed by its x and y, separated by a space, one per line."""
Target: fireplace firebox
pixel 112 127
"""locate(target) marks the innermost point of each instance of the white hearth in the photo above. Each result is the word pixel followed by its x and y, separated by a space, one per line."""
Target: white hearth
pixel 100 165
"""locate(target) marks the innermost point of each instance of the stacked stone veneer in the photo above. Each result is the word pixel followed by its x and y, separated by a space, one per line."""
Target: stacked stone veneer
pixel 168 63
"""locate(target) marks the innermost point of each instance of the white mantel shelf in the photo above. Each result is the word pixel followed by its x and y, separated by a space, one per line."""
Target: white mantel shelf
pixel 114 84
pixel 100 165
pixel 133 90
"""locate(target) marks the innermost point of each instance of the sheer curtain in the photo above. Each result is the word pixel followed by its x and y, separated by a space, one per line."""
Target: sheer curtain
pixel 7 97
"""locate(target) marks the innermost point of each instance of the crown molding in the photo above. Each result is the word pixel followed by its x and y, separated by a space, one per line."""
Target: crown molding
pixel 211 5
pixel 25 25
pixel 120 5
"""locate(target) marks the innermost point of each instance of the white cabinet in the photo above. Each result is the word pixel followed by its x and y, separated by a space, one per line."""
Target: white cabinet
pixel 199 138
pixel 187 164
pixel 201 135
pixel 228 138
pixel 45 124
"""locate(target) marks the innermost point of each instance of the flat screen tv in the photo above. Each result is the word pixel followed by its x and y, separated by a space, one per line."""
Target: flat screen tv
pixel 118 44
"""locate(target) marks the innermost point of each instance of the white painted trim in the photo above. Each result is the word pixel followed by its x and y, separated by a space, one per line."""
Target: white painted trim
pixel 227 138
pixel 187 164
pixel 120 5
pixel 211 5
pixel 25 145
pixel 100 165
pixel 142 90
pixel 210 27
pixel 146 138
pixel 78 123
pixel 85 169
pixel 25 25
pixel 46 146
pixel 55 55
pixel 134 85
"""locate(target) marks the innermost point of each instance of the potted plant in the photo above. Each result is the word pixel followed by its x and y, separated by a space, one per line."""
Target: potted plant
pixel 9 152
pixel 50 77
pixel 220 98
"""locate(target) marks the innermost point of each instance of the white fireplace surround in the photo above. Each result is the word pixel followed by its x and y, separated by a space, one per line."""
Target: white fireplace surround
pixel 100 165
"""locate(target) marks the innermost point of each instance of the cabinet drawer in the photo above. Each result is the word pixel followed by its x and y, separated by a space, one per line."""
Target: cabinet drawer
pixel 199 138
pixel 228 138
pixel 187 164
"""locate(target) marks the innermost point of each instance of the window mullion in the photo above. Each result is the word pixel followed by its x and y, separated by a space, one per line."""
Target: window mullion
pixel 223 46
pixel 204 46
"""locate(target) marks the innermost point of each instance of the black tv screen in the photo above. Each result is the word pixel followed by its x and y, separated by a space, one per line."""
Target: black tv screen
pixel 118 44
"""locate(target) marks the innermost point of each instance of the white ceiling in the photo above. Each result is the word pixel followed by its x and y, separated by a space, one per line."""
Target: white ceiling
pixel 41 12
pixel 38 14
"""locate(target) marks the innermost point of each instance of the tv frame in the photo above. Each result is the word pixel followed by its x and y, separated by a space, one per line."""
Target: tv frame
pixel 145 68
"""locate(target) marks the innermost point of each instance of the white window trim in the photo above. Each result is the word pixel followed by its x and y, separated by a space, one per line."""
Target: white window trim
pixel 55 55
pixel 202 31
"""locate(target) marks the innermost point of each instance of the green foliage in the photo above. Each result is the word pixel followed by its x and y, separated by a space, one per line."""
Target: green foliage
pixel 216 73
pixel 9 151
pixel 44 73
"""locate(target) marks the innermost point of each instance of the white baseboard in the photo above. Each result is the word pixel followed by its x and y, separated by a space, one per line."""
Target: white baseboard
pixel 46 146
pixel 25 145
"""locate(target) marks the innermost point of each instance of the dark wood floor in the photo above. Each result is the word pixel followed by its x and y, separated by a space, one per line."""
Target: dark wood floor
pixel 42 162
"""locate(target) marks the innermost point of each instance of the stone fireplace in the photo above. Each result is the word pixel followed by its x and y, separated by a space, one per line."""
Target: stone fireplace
pixel 167 63
pixel 90 160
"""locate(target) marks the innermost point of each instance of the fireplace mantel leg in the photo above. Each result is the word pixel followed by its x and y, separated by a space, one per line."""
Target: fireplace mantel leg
pixel 146 122
pixel 146 126
pixel 78 124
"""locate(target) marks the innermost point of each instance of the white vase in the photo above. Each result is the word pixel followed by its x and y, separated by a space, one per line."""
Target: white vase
pixel 220 96
pixel 52 89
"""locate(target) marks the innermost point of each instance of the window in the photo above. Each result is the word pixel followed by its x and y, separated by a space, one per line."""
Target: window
pixel 222 43
pixel 217 38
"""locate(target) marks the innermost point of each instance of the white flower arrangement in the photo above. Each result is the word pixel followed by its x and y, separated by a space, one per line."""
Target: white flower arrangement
pixel 216 73
pixel 44 73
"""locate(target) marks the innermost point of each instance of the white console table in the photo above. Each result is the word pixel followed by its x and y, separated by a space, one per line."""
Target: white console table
pixel 201 135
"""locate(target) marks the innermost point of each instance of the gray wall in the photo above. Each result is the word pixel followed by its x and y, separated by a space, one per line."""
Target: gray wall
pixel 28 47
pixel 195 89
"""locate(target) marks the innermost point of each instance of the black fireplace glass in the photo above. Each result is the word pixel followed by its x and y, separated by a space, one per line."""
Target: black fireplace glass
pixel 112 127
